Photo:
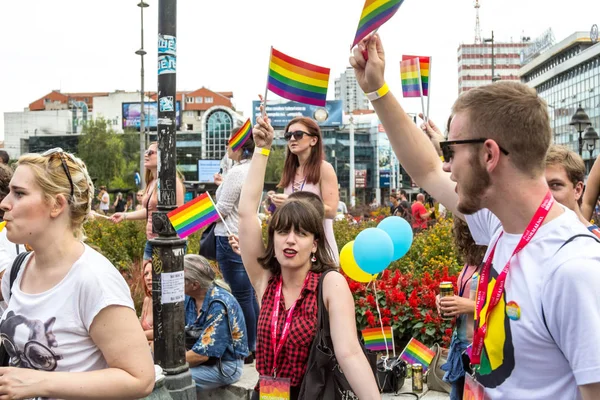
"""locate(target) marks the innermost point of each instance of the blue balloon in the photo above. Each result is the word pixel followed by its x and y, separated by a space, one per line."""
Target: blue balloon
pixel 401 234
pixel 373 250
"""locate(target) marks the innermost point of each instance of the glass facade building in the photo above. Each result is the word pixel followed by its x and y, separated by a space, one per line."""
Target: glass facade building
pixel 568 76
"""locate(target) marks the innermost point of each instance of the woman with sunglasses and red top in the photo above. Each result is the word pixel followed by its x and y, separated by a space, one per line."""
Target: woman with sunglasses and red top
pixel 305 169
pixel 70 326
pixel 150 198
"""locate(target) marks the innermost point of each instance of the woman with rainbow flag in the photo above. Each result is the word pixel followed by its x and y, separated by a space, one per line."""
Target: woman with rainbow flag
pixel 286 276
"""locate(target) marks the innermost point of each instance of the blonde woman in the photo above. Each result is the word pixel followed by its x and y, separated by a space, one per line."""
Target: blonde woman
pixel 70 326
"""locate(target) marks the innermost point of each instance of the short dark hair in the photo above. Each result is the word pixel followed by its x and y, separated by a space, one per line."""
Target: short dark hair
pixel 4 157
pixel 312 198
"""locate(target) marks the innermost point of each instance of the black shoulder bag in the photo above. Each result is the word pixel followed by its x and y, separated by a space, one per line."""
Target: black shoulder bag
pixel 324 378
pixel 14 271
pixel 208 243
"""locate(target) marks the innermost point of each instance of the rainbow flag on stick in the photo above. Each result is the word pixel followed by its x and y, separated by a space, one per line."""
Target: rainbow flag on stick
pixel 194 215
pixel 416 352
pixel 424 71
pixel 375 13
pixel 374 338
pixel 241 136
pixel 411 84
pixel 297 80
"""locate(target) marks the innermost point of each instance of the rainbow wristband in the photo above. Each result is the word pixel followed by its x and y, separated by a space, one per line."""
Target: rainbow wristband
pixel 378 93
pixel 260 150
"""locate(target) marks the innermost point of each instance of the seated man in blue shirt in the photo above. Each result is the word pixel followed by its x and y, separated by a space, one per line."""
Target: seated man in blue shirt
pixel 216 340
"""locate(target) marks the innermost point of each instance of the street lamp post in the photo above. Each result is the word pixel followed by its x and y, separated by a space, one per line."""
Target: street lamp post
pixel 141 52
pixel 580 121
pixel 590 139
pixel 494 77
pixel 168 249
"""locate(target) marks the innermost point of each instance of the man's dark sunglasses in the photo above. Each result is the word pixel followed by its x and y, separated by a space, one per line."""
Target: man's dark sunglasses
pixel 298 135
pixel 61 154
pixel 448 152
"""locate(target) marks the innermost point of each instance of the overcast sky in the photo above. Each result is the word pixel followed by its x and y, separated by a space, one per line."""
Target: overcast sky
pixel 85 46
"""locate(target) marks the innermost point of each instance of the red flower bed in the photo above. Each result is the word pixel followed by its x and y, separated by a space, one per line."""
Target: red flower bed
pixel 407 303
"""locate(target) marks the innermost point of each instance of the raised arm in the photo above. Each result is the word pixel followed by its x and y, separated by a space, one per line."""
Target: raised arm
pixel 340 307
pixel 250 231
pixel 329 189
pixel 592 190
pixel 412 147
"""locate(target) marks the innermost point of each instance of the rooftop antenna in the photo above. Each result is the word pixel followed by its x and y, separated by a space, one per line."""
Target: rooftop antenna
pixel 477 26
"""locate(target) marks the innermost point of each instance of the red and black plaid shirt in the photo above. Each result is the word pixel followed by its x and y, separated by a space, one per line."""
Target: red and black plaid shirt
pixel 292 359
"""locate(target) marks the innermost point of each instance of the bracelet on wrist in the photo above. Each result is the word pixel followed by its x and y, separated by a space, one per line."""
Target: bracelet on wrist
pixel 382 91
pixel 262 151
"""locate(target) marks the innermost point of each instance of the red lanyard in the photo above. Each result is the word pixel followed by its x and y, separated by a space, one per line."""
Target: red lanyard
pixel 498 289
pixel 288 321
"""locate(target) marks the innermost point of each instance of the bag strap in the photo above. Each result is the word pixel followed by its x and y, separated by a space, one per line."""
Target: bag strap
pixel 322 315
pixel 16 267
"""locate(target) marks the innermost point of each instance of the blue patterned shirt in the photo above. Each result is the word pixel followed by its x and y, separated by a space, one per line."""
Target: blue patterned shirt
pixel 218 338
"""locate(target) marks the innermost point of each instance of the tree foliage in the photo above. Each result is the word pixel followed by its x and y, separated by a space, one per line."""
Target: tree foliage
pixel 275 164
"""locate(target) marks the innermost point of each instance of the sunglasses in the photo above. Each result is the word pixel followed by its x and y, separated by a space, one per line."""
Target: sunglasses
pixel 448 151
pixel 149 152
pixel 60 152
pixel 298 135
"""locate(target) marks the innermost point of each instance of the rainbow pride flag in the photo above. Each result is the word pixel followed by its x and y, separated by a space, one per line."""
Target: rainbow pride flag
pixel 375 13
pixel 409 73
pixel 193 215
pixel 416 352
pixel 240 137
pixel 374 338
pixel 297 80
pixel 424 62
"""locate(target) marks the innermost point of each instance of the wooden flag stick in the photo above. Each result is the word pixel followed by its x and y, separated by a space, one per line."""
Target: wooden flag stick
pixel 420 84
pixel 428 89
pixel 264 99
pixel 220 216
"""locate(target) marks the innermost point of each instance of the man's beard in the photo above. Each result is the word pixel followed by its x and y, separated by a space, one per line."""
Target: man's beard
pixel 473 189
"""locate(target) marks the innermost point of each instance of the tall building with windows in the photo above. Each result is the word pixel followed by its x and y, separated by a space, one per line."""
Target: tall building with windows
pixel 347 90
pixel 475 63
pixel 567 76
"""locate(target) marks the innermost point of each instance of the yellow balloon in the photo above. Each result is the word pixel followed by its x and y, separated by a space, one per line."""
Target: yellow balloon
pixel 350 267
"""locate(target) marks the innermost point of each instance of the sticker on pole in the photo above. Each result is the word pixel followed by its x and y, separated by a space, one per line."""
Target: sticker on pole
pixel 167 64
pixel 167 44
pixel 172 284
pixel 166 104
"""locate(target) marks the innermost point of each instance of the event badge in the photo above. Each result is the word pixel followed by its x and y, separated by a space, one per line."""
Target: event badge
pixel 513 311
pixel 272 388
pixel 473 389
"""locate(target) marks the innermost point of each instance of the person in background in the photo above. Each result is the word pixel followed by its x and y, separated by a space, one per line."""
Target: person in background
pixel 286 274
pixel 305 169
pixel 394 205
pixel 119 203
pixel 70 326
pixel 139 203
pixel 342 208
pixel 461 305
pixel 4 158
pixel 129 202
pixel 268 205
pixel 104 198
pixel 220 343
pixel 150 198
pixel 227 202
pixel 420 215
pixel 146 316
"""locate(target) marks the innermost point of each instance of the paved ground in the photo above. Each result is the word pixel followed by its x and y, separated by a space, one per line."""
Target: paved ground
pixel 241 390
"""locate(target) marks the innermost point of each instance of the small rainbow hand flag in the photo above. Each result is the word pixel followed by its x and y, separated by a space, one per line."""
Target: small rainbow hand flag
pixel 237 141
pixel 409 72
pixel 375 13
pixel 416 352
pixel 193 215
pixel 374 338
pixel 424 70
pixel 297 80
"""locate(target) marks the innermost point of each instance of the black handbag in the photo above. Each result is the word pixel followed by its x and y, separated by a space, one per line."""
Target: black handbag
pixel 391 374
pixel 324 379
pixel 14 271
pixel 208 243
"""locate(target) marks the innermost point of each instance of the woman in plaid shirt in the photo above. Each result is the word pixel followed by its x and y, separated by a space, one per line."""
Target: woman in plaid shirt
pixel 285 277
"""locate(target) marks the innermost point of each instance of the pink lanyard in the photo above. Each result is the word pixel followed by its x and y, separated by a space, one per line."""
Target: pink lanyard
pixel 288 321
pixel 481 330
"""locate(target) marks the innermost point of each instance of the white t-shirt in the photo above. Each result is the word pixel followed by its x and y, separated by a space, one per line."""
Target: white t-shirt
pixel 50 331
pixel 104 202
pixel 521 360
pixel 8 251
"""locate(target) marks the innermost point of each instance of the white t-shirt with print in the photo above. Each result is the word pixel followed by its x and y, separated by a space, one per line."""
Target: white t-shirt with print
pixel 50 331
pixel 105 200
pixel 521 360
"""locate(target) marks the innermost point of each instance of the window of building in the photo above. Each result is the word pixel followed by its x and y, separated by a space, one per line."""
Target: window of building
pixel 191 114
pixel 199 100
pixel 189 99
pixel 208 99
pixel 190 127
pixel 218 129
